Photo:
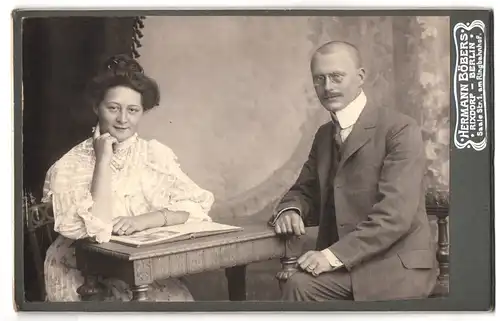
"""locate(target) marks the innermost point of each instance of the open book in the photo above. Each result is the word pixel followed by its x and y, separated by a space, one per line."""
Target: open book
pixel 172 233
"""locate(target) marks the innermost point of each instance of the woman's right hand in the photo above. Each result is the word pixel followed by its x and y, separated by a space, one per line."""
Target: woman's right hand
pixel 103 147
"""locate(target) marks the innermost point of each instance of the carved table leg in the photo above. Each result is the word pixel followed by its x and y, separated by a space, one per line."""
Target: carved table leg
pixel 289 261
pixel 140 292
pixel 289 267
pixel 236 283
pixel 90 290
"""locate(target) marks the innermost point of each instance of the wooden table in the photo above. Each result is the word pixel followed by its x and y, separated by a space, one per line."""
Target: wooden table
pixel 140 267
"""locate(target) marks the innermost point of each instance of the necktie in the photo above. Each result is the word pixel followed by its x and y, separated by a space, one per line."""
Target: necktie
pixel 331 225
pixel 337 137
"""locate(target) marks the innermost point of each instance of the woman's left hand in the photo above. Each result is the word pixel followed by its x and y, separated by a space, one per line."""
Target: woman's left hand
pixel 126 225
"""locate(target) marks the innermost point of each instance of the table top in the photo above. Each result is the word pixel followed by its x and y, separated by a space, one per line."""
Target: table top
pixel 252 230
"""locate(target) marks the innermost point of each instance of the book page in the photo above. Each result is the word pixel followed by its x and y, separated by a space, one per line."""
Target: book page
pixel 196 227
pixel 145 238
pixel 166 233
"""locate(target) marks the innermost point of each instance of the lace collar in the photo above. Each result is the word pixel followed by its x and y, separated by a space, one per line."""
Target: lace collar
pixel 126 144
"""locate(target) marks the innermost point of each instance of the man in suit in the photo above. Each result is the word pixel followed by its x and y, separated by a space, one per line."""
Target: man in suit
pixel 363 185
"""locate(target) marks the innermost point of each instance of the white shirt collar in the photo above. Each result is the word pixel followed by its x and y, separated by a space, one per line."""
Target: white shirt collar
pixel 350 114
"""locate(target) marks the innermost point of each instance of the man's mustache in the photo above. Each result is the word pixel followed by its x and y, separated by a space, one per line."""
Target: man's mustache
pixel 332 95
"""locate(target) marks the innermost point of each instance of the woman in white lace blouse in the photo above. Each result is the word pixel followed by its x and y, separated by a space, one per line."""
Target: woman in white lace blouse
pixel 116 182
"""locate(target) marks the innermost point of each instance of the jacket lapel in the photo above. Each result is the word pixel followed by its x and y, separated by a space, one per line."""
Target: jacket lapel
pixel 360 134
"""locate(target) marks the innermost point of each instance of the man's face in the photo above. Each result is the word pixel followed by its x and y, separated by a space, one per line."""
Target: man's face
pixel 337 79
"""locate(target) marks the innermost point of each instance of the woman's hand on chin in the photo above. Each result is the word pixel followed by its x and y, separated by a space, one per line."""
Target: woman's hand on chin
pixel 103 147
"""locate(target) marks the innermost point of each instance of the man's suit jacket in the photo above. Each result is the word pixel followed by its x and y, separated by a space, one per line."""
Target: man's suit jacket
pixel 384 234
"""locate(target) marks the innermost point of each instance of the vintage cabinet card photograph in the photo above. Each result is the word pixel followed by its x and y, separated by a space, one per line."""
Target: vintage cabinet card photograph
pixel 263 160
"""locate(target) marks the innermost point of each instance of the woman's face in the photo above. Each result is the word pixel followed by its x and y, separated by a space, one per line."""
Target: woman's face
pixel 119 112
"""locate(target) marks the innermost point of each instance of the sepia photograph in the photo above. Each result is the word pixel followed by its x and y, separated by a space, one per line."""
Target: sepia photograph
pixel 303 157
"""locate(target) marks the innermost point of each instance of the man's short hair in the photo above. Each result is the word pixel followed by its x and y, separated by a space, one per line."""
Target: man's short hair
pixel 331 46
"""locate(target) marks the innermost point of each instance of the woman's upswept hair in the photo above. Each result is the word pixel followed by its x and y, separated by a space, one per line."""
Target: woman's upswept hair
pixel 122 70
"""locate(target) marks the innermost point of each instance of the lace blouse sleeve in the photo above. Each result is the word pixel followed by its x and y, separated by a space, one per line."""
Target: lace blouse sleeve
pixel 72 204
pixel 171 188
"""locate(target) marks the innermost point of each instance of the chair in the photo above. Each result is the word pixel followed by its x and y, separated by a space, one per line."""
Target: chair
pixel 39 222
pixel 441 289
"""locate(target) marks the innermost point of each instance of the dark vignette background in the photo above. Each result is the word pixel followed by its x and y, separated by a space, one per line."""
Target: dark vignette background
pixel 471 203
